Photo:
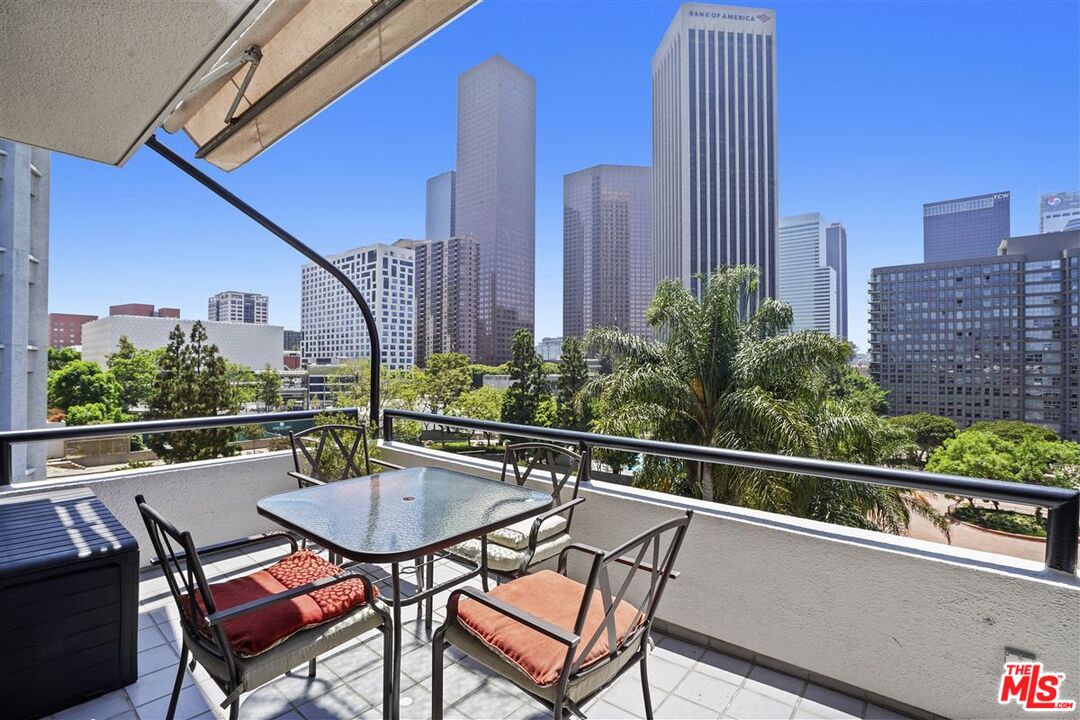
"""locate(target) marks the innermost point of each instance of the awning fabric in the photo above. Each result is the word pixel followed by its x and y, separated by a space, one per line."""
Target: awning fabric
pixel 312 51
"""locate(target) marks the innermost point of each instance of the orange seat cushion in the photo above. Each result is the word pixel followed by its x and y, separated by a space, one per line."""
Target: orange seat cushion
pixel 556 599
pixel 261 630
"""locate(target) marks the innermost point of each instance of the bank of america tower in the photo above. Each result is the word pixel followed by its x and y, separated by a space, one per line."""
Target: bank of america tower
pixel 714 144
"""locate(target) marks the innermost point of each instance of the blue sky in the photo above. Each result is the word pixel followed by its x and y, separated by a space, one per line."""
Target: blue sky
pixel 882 107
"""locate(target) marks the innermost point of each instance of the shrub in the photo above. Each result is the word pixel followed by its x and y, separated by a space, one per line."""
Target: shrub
pixel 1002 520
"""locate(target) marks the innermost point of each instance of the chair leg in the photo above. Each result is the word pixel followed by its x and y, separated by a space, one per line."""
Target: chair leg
pixel 234 710
pixel 388 670
pixel 418 565
pixel 178 684
pixel 646 695
pixel 311 668
pixel 437 646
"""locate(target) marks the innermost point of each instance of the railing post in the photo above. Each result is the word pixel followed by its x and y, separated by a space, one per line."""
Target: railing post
pixel 387 427
pixel 5 463
pixel 1062 526
pixel 585 471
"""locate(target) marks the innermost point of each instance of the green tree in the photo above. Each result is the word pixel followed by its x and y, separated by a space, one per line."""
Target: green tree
pixel 573 412
pixel 1015 430
pixel 483 403
pixel 726 377
pixel 268 385
pixel 547 412
pixel 95 413
pixel 860 391
pixel 928 432
pixel 445 377
pixel 136 372
pixel 982 454
pixel 81 382
pixel 529 386
pixel 193 382
pixel 59 357
pixel 244 383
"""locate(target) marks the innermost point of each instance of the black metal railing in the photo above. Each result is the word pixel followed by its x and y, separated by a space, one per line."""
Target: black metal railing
pixel 8 438
pixel 1062 505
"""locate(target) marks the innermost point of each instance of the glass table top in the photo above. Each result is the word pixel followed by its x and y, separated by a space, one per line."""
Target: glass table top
pixel 402 514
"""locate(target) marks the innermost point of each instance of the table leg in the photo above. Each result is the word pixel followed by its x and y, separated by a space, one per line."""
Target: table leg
pixel 395 579
pixel 429 604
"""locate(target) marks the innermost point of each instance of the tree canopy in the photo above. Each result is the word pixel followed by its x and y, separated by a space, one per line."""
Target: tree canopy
pixel 1015 430
pixel 444 378
pixel 572 414
pixel 928 432
pixel 977 453
pixel 529 386
pixel 268 389
pixel 59 357
pixel 81 382
pixel 136 372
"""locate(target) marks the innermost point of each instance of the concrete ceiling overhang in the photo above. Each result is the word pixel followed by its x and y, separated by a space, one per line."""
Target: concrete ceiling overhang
pixel 96 79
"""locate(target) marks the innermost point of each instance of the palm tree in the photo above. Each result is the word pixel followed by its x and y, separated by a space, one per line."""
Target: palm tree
pixel 726 376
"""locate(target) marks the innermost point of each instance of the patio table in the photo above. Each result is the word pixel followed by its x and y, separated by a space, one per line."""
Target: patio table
pixel 401 516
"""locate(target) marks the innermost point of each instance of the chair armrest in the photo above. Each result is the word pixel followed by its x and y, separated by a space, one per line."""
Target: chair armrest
pixel 304 480
pixel 578 547
pixel 385 464
pixel 534 532
pixel 642 566
pixel 223 616
pixel 239 543
pixel 527 619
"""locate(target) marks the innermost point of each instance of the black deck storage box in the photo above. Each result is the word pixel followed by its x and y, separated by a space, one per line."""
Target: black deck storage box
pixel 69 602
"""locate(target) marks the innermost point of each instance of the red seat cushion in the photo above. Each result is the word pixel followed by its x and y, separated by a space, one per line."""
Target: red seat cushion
pixel 261 630
pixel 556 599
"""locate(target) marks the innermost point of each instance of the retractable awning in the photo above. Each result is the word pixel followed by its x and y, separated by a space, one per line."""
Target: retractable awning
pixel 97 79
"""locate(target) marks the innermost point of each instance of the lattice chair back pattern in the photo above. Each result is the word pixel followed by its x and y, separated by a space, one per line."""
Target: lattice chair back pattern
pixel 544 459
pixel 328 453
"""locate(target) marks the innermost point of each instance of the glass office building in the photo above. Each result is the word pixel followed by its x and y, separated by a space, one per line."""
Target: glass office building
pixel 714 144
pixel 970 227
pixel 439 218
pixel 1059 211
pixel 983 338
pixel 836 258
pixel 806 281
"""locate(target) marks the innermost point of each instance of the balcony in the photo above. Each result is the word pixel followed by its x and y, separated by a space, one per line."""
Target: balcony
pixel 770 616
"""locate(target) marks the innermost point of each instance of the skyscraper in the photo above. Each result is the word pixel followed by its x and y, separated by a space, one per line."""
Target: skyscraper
pixel 714 144
pixel 964 228
pixel 1059 211
pixel 991 338
pixel 243 307
pixel 806 280
pixel 332 325
pixel 446 292
pixel 24 300
pixel 495 197
pixel 836 258
pixel 607 249
pixel 440 223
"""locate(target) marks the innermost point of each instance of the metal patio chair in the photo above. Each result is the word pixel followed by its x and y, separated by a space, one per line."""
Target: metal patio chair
pixel 327 453
pixel 560 640
pixel 512 550
pixel 230 652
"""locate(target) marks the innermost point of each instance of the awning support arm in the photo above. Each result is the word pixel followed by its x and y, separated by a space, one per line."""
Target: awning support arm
pixel 373 332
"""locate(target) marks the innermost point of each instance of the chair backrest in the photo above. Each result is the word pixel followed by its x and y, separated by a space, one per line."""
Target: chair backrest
pixel 543 459
pixel 187 582
pixel 635 573
pixel 331 452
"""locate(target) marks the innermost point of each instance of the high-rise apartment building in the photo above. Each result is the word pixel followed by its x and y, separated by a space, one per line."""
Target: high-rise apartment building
pixel 836 258
pixel 983 338
pixel 24 300
pixel 440 223
pixel 446 296
pixel 331 322
pixel 964 228
pixel 714 144
pixel 495 197
pixel 1059 211
pixel 806 280
pixel 233 306
pixel 607 249
pixel 65 329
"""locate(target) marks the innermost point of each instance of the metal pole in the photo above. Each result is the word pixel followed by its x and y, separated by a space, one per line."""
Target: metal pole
pixel 373 332
pixel 5 463
pixel 1061 536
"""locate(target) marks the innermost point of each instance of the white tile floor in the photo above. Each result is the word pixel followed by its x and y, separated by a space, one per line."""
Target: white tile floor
pixel 687 681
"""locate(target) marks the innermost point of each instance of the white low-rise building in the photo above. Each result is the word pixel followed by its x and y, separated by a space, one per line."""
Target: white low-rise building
pixel 251 345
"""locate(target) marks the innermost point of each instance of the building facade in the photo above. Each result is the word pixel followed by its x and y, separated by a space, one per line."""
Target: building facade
pixel 607 249
pixel 143 310
pixel 495 197
pixel 714 143
pixel 805 280
pixel 24 300
pixel 253 346
pixel 836 258
pixel 964 228
pixel 65 329
pixel 983 338
pixel 292 340
pixel 1059 211
pixel 439 221
pixel 446 295
pixel 243 307
pixel 550 349
pixel 331 321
